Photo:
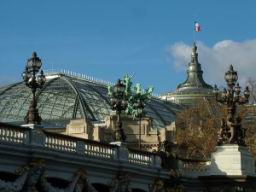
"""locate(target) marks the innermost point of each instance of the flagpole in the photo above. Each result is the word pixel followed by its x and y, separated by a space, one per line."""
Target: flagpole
pixel 196 30
pixel 194 34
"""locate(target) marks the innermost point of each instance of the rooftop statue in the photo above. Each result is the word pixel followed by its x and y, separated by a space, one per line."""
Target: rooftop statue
pixel 137 100
pixel 136 96
pixel 128 84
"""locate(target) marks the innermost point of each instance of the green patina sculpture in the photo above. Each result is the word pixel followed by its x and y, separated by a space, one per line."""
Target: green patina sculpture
pixel 137 100
pixel 128 85
pixel 136 96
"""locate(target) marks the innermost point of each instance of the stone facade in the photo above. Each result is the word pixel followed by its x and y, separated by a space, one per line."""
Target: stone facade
pixel 150 137
pixel 33 159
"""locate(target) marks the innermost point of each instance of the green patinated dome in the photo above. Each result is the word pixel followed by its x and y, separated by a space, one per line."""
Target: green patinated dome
pixel 194 88
pixel 65 97
pixel 194 73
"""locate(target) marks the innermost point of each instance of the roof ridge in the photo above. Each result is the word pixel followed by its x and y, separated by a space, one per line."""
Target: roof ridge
pixel 78 76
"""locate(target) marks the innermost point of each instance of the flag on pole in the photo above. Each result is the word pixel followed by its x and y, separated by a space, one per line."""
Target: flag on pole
pixel 197 27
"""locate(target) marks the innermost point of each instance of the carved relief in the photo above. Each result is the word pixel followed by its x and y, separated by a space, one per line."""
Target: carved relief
pixel 28 177
pixel 120 183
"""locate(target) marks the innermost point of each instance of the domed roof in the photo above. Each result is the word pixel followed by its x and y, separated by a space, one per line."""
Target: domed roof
pixel 194 88
pixel 194 75
pixel 65 97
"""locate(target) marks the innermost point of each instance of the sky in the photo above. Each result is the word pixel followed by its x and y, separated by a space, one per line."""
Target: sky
pixel 148 39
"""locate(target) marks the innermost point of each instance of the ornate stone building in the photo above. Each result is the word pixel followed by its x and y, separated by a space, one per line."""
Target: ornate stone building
pixel 79 106
pixel 72 150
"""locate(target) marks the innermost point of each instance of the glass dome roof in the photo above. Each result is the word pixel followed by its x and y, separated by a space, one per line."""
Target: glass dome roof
pixel 65 97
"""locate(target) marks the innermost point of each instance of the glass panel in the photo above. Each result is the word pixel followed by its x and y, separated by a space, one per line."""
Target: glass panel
pixel 58 102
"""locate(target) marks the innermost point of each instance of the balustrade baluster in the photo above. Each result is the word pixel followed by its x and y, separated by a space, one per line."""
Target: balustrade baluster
pixel 82 147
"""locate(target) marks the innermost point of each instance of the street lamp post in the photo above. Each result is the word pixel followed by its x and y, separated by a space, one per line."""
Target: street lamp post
pixel 136 104
pixel 231 130
pixel 139 107
pixel 119 104
pixel 33 80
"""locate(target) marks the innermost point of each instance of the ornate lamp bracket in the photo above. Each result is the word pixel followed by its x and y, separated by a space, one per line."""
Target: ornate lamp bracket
pixel 231 130
pixel 34 79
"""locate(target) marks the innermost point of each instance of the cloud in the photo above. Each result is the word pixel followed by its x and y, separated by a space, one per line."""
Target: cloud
pixel 215 60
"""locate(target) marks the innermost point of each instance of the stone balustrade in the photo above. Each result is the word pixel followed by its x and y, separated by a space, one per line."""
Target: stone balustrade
pixel 14 135
pixel 99 150
pixel 60 143
pixel 140 158
pixel 57 142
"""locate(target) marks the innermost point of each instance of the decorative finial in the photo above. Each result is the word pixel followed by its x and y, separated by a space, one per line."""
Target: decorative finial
pixel 194 55
pixel 194 72
pixel 231 76
pixel 34 55
pixel 194 48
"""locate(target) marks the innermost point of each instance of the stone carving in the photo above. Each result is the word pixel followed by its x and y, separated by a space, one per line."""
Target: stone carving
pixel 35 173
pixel 83 184
pixel 33 176
pixel 28 177
pixel 120 183
pixel 172 185
pixel 15 186
pixel 79 183
pixel 157 186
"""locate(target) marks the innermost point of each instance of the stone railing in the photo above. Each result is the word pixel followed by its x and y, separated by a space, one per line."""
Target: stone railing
pixel 62 143
pixel 14 134
pixel 100 150
pixel 57 142
pixel 140 158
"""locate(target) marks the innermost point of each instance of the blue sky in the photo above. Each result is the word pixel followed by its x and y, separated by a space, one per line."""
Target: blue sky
pixel 108 38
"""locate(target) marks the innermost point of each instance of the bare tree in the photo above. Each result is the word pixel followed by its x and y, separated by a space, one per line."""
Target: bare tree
pixel 197 128
pixel 249 122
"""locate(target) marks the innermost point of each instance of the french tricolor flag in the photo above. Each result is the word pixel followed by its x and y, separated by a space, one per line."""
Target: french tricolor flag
pixel 197 27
